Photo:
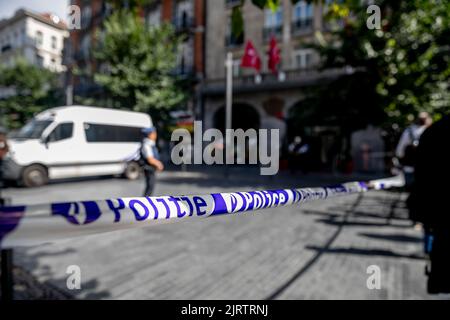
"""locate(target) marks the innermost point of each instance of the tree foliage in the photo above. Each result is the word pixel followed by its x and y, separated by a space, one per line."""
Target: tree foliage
pixel 139 63
pixel 404 66
pixel 406 62
pixel 32 88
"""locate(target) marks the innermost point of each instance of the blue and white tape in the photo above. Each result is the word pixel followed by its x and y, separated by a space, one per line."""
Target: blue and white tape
pixel 46 223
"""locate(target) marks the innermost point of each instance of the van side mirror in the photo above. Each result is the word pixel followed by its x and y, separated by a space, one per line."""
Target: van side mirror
pixel 44 141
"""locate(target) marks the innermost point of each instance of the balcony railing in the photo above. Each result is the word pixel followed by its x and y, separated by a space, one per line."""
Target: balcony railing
pixel 184 71
pixel 232 3
pixel 234 41
pixel 276 31
pixel 302 25
pixel 268 81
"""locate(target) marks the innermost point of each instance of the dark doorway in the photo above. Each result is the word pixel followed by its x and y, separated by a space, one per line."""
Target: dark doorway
pixel 244 117
pixel 325 140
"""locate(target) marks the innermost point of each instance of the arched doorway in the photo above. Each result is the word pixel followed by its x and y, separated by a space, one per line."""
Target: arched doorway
pixel 244 117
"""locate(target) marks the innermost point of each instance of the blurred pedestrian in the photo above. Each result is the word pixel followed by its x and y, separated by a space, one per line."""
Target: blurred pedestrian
pixel 292 153
pixel 428 202
pixel 3 144
pixel 150 159
pixel 298 150
pixel 408 143
pixel 3 151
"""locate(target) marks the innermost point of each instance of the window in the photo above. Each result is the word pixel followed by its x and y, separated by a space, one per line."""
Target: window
pixel 86 15
pixel 39 38
pixel 303 58
pixel 106 9
pixel 111 133
pixel 54 42
pixel 182 17
pixel 53 64
pixel 86 46
pixel 302 16
pixel 185 62
pixel 33 129
pixel 39 60
pixel 15 41
pixel 231 38
pixel 6 48
pixel 273 23
pixel 273 19
pixel 61 132
pixel 154 17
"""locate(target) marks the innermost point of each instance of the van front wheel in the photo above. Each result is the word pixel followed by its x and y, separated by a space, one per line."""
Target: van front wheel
pixel 34 176
pixel 132 171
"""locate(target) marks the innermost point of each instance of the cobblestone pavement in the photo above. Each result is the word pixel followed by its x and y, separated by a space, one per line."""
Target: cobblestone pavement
pixel 320 250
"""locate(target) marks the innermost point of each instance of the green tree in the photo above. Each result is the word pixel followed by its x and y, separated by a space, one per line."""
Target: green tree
pixel 32 89
pixel 406 61
pixel 140 61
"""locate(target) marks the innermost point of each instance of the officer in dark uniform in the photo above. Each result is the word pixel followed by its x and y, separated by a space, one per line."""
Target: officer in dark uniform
pixel 150 159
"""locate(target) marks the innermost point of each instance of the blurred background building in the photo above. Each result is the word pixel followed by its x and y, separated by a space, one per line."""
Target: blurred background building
pixel 187 17
pixel 266 101
pixel 38 37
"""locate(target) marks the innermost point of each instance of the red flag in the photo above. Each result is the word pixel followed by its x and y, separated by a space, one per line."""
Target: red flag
pixel 251 58
pixel 274 55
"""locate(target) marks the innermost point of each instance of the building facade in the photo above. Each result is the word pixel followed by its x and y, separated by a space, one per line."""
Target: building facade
pixel 187 16
pixel 37 37
pixel 267 99
pixel 78 50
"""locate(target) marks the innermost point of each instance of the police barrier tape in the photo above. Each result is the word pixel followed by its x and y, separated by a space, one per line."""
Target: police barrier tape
pixel 46 223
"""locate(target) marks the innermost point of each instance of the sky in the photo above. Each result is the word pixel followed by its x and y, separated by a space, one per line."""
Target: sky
pixel 58 7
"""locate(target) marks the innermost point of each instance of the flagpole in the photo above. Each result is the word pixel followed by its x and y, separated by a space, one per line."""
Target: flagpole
pixel 228 105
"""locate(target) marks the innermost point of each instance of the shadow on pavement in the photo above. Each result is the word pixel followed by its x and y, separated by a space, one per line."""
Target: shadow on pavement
pixel 320 251
pixel 366 252
pixel 332 222
pixel 28 287
pixel 392 237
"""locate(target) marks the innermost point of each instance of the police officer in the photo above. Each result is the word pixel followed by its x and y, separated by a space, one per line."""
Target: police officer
pixel 150 159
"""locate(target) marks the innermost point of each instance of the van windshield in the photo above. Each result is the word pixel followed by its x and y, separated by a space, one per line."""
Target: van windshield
pixel 33 129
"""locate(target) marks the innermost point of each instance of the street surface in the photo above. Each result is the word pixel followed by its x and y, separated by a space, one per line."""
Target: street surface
pixel 319 250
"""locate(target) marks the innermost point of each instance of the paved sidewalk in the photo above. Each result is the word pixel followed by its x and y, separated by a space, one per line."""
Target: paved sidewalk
pixel 317 250
pixel 27 287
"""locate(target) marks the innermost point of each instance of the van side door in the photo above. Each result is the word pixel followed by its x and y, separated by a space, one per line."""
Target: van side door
pixel 108 146
pixel 62 152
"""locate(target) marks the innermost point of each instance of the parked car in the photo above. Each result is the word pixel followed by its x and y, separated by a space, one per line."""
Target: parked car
pixel 76 141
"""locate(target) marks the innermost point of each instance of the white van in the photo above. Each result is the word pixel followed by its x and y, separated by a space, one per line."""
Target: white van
pixel 76 141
